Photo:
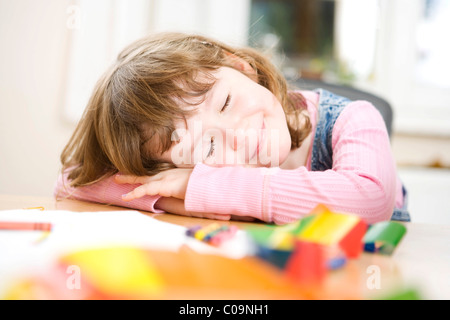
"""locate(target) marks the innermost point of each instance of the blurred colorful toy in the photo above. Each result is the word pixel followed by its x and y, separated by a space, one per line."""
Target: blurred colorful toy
pixel 383 237
pixel 213 234
pixel 307 264
pixel 340 236
pixel 95 273
pixel 336 229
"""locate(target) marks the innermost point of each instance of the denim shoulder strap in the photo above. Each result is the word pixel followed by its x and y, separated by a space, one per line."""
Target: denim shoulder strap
pixel 329 109
pixel 402 214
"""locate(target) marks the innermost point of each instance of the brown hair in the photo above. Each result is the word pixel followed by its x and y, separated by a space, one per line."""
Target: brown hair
pixel 140 90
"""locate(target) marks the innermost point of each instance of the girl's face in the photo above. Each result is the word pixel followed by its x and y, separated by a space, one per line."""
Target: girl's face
pixel 239 122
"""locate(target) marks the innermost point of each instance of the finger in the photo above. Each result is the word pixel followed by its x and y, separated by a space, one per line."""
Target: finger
pixel 142 190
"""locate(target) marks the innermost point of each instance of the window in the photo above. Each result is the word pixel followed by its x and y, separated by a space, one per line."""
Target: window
pixel 299 34
pixel 411 64
pixel 433 51
pixel 394 48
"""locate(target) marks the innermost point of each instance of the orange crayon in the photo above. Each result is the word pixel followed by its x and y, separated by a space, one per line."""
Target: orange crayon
pixel 19 225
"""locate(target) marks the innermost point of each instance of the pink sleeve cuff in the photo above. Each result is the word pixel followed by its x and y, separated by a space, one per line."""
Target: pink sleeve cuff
pixel 227 190
pixel 106 191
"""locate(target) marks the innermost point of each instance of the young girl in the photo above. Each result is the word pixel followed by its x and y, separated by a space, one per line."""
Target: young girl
pixel 188 125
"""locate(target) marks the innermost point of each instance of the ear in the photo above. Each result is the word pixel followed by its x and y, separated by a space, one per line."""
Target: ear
pixel 239 64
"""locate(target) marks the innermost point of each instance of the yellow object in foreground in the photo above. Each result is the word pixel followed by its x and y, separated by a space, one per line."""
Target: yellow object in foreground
pixel 329 228
pixel 117 270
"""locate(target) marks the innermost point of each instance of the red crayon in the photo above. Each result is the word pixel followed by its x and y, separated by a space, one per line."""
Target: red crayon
pixel 219 238
pixel 16 225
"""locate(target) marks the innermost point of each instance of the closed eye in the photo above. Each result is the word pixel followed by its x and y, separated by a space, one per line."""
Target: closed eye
pixel 211 148
pixel 226 104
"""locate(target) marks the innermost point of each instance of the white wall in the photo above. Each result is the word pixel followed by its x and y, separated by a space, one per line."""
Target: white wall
pixel 44 70
pixel 100 29
pixel 33 38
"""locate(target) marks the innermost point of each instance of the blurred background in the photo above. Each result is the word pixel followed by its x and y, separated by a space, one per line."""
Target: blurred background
pixel 53 51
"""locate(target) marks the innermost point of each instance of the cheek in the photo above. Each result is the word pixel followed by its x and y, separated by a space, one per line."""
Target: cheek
pixel 285 150
pixel 282 139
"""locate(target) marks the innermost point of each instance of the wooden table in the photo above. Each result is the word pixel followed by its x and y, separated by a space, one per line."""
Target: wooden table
pixel 420 262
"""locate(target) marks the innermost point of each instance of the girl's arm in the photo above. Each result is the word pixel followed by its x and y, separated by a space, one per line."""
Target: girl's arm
pixel 108 191
pixel 105 191
pixel 362 181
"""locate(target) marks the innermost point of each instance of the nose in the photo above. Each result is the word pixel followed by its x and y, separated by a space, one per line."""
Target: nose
pixel 238 139
pixel 237 131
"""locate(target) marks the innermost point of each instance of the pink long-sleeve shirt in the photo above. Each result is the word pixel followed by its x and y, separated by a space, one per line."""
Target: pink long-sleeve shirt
pixel 363 179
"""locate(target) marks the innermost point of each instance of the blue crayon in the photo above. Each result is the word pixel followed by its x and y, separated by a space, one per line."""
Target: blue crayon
pixel 191 231
pixel 212 234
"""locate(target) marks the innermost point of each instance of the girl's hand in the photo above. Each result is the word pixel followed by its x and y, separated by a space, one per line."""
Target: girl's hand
pixel 170 183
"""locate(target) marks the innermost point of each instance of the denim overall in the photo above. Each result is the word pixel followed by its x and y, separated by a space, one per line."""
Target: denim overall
pixel 330 107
